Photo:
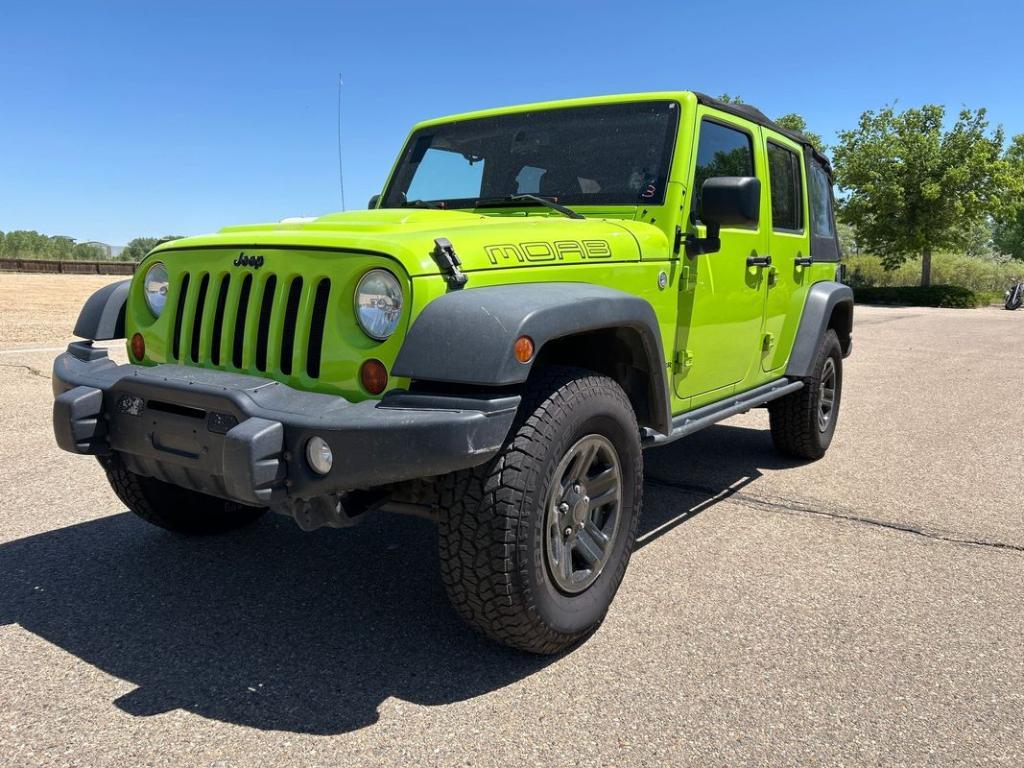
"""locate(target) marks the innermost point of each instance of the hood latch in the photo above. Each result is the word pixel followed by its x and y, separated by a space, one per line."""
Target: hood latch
pixel 449 262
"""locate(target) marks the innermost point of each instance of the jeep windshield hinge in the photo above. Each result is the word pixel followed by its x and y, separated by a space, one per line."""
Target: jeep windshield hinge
pixel 449 262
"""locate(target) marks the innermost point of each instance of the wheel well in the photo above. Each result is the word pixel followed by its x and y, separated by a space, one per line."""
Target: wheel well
pixel 841 321
pixel 617 353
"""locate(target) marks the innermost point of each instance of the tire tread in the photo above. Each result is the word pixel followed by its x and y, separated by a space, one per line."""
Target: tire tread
pixel 483 522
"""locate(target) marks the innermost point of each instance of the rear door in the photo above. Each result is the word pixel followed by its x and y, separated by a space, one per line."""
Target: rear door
pixel 721 299
pixel 788 244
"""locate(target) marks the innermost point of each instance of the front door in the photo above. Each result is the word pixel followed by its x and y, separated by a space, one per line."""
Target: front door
pixel 721 299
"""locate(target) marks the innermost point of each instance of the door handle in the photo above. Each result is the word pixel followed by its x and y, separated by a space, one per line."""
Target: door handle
pixel 805 261
pixel 759 261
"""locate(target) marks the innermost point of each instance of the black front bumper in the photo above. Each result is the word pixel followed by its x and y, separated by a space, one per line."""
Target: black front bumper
pixel 244 437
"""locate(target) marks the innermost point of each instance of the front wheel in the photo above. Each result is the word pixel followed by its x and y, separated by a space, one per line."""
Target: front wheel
pixel 174 508
pixel 535 543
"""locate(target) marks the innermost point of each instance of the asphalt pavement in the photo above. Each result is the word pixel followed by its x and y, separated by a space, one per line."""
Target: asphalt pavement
pixel 866 609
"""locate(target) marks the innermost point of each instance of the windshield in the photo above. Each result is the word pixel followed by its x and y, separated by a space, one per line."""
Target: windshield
pixel 608 154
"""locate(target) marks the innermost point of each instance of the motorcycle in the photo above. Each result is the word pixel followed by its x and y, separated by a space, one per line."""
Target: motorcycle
pixel 1014 296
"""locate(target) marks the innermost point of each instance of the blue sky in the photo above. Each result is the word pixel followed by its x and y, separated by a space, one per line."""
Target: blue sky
pixel 146 118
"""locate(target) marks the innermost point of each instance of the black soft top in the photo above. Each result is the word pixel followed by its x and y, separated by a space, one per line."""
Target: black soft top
pixel 755 115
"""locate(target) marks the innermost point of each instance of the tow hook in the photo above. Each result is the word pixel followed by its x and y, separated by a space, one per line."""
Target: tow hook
pixel 333 510
pixel 320 511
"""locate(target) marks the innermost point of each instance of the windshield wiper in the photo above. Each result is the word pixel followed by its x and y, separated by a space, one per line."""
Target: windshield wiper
pixel 493 202
pixel 421 204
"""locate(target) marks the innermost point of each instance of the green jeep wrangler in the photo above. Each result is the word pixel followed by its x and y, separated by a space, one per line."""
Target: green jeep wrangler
pixel 538 294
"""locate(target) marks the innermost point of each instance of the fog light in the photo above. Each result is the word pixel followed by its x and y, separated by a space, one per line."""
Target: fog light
pixel 373 376
pixel 319 456
pixel 138 346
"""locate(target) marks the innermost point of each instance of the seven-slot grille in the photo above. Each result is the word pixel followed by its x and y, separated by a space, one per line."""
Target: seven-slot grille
pixel 250 322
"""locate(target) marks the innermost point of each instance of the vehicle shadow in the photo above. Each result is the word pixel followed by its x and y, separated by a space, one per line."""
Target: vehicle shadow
pixel 277 629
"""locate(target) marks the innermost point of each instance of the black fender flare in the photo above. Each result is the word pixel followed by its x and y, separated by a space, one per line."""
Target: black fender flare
pixel 467 337
pixel 822 300
pixel 102 315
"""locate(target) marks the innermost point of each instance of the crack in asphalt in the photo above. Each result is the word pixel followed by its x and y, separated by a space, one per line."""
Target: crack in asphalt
pixel 883 320
pixel 756 502
pixel 32 371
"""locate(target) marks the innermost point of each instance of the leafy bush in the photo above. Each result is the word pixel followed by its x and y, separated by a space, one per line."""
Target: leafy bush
pixel 916 296
pixel 977 273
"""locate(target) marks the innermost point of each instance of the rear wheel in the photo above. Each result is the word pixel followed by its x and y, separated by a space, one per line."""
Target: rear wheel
pixel 534 544
pixel 172 507
pixel 804 422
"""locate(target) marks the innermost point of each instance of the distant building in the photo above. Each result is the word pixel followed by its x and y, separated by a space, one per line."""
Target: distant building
pixel 109 251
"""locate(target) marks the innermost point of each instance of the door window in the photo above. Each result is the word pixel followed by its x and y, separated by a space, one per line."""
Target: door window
pixel 821 202
pixel 786 188
pixel 721 151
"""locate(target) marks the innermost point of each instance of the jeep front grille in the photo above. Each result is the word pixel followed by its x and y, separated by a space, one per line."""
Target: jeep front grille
pixel 251 322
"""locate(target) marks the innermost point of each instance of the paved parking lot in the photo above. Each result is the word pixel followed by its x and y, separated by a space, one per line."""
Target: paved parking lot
pixel 867 609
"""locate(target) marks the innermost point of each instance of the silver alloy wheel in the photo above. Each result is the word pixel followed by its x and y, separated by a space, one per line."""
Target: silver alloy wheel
pixel 583 511
pixel 827 394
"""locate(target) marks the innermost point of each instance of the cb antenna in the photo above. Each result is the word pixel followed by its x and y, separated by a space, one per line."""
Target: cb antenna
pixel 341 177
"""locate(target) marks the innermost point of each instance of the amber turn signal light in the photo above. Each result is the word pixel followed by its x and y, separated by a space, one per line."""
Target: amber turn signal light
pixel 524 349
pixel 373 376
pixel 138 346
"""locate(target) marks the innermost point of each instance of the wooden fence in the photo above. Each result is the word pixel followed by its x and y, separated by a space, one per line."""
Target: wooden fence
pixel 68 267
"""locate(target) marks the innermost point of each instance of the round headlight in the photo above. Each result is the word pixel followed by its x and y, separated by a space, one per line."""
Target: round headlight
pixel 378 303
pixel 155 288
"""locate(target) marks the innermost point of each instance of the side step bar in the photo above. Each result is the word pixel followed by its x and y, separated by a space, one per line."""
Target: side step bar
pixel 692 421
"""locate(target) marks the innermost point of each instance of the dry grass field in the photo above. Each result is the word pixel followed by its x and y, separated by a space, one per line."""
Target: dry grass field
pixel 43 308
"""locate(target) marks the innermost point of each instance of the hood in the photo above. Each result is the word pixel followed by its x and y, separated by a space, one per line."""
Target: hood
pixel 481 242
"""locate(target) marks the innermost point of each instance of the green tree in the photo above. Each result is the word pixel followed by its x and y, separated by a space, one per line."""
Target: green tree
pixel 912 187
pixel 848 242
pixel 26 244
pixel 60 247
pixel 89 252
pixel 1 244
pixel 795 122
pixel 1008 231
pixel 140 246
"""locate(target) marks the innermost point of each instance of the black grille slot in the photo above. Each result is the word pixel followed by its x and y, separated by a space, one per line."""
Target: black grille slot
pixel 289 305
pixel 291 312
pixel 197 325
pixel 176 409
pixel 218 319
pixel 179 315
pixel 263 332
pixel 316 328
pixel 240 315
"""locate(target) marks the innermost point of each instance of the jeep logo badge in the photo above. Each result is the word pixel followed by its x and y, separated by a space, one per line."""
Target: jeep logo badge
pixel 248 260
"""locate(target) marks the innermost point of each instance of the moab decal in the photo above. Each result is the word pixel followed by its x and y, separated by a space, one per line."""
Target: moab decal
pixel 540 251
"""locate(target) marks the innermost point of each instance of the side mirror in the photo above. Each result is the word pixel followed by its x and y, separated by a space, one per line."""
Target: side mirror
pixel 373 202
pixel 725 201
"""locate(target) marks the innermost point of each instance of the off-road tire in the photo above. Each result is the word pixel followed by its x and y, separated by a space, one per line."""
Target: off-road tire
pixel 174 508
pixel 492 518
pixel 794 419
